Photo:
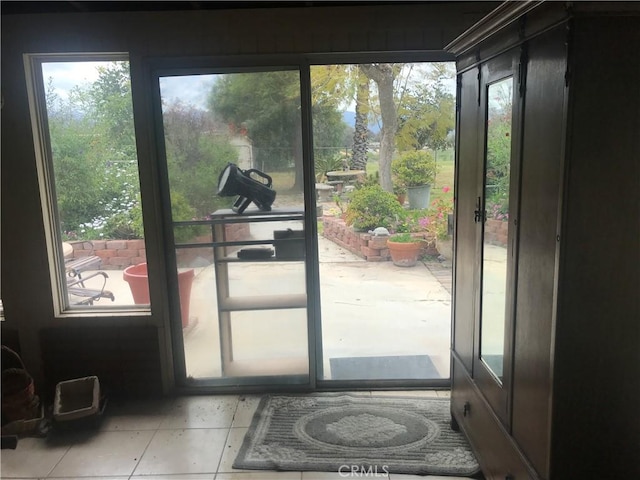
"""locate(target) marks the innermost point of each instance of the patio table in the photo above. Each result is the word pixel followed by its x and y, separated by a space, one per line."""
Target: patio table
pixel 347 176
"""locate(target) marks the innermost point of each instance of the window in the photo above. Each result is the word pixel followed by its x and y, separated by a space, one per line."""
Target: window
pixel 88 171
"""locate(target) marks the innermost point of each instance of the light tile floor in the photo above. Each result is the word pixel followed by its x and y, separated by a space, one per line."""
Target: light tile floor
pixel 184 438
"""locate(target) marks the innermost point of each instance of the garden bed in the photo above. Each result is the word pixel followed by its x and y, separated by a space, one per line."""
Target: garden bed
pixel 363 244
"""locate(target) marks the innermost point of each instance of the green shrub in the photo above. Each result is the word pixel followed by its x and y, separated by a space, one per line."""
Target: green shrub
pixel 124 225
pixel 327 163
pixel 404 237
pixel 372 207
pixel 182 211
pixel 370 179
pixel 413 169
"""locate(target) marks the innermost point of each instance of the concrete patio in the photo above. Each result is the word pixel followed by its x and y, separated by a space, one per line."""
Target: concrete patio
pixel 368 309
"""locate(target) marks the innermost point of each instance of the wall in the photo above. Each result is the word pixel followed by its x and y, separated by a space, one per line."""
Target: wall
pixel 420 29
pixel 115 254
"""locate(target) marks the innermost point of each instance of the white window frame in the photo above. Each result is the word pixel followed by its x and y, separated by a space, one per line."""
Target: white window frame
pixel 46 181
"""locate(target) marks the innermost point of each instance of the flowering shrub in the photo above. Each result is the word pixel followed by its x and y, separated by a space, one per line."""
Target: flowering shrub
pixel 411 221
pixel 498 211
pixel 439 213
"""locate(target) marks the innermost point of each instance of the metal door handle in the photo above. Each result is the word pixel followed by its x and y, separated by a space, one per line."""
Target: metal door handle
pixel 479 215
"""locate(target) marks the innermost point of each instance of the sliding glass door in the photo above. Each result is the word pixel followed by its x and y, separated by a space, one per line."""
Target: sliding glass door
pixel 383 324
pixel 233 160
pixel 280 190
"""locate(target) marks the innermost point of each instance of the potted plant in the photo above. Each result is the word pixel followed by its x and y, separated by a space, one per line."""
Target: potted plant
pixel 416 171
pixel 400 191
pixel 404 249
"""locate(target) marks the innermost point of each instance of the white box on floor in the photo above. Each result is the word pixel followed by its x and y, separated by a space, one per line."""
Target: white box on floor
pixel 77 398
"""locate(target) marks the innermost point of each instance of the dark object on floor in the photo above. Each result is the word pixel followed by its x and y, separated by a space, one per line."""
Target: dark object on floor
pixel 254 253
pixel 383 368
pixel 9 442
pixel 22 412
pixel 338 432
pixel 19 401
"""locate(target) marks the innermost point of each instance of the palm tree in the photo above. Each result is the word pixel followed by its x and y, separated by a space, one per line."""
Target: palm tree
pixel 361 133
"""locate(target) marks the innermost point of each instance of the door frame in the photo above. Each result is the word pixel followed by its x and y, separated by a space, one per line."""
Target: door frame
pixel 155 67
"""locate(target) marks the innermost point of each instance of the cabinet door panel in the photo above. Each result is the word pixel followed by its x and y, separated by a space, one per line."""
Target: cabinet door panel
pixel 466 229
pixel 541 171
pixel 499 458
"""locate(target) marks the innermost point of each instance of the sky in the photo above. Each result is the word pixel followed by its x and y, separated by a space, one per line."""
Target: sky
pixel 67 75
pixel 190 90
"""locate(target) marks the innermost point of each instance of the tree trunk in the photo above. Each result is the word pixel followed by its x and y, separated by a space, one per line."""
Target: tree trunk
pixel 383 74
pixel 361 133
pixel 298 184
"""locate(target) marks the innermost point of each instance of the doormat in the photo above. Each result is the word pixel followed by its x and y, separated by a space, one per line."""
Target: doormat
pixel 349 433
pixel 400 367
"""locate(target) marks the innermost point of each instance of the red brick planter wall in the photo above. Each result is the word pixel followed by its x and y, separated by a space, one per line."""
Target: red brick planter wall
pixel 115 254
pixel 119 254
pixel 365 245
pixel 495 232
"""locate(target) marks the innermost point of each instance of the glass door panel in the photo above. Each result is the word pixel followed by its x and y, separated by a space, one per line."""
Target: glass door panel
pixel 247 320
pixel 497 181
pixel 382 322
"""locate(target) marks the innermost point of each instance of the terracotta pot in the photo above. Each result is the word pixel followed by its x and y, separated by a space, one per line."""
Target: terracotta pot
pixel 404 254
pixel 137 278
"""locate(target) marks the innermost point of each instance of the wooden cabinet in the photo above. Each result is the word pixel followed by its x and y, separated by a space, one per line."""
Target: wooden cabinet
pixel 546 347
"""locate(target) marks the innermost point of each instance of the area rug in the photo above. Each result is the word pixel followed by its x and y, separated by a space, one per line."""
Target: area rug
pixel 346 433
pixel 383 368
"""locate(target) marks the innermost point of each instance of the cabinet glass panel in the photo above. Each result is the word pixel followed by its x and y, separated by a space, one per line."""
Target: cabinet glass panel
pixel 496 227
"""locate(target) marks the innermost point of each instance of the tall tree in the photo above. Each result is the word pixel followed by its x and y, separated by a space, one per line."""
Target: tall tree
pixel 384 75
pixel 267 104
pixel 93 148
pixel 426 117
pixel 361 133
pixel 195 158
